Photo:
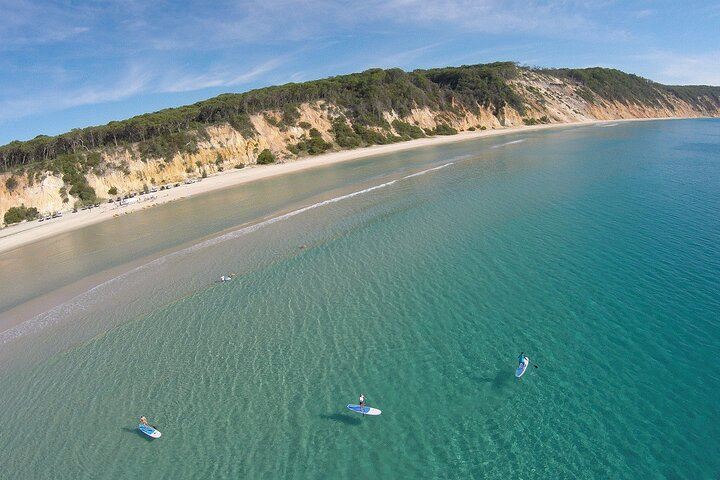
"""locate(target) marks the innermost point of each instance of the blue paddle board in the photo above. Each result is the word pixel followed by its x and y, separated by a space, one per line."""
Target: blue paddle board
pixel 364 410
pixel 521 368
pixel 149 431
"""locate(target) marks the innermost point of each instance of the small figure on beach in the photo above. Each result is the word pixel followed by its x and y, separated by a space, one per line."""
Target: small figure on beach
pixel 143 420
pixel 226 278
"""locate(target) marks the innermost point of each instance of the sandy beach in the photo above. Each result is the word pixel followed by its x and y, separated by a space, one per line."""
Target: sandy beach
pixel 27 232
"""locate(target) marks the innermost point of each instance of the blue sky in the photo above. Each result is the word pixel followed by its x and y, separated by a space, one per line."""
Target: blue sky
pixel 70 64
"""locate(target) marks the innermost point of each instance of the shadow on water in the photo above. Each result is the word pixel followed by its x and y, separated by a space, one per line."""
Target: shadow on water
pixel 138 433
pixel 500 381
pixel 339 417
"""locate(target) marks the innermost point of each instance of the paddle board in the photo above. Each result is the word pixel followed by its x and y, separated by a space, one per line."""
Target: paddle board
pixel 365 410
pixel 149 431
pixel 521 369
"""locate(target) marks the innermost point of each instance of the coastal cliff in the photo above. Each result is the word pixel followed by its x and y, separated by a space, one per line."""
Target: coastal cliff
pixel 52 174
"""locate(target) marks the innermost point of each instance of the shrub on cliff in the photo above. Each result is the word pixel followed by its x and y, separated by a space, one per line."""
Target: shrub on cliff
pixel 18 214
pixel 265 157
pixel 407 131
pixel 11 183
pixel 444 129
pixel 370 136
pixel 344 135
pixel 314 145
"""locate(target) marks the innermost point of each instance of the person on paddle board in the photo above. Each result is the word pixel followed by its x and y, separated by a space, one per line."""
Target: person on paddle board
pixel 143 420
pixel 362 402
pixel 521 359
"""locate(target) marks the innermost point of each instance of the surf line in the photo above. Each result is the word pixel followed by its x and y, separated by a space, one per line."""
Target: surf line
pixel 81 301
pixel 512 142
pixel 251 228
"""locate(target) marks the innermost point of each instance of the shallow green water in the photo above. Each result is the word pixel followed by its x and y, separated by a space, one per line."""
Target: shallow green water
pixel 595 250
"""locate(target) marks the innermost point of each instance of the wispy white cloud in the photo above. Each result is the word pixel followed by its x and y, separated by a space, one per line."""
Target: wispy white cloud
pixel 403 58
pixel 55 98
pixel 550 19
pixel 24 23
pixel 684 69
pixel 222 76
pixel 647 12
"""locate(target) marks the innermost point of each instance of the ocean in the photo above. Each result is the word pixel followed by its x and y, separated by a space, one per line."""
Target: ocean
pixel 415 278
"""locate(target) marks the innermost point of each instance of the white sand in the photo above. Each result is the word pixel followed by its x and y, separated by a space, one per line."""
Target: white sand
pixel 28 232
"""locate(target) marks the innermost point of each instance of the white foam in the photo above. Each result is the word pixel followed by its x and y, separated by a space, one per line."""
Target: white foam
pixel 512 142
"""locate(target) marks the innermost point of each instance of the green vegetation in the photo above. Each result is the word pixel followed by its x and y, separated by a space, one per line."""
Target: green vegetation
pixel 478 85
pixel 166 146
pixel 290 115
pixel 314 145
pixel 345 136
pixel 614 85
pixel 265 157
pixel 585 94
pixel 370 136
pixel 536 121
pixel 444 129
pixel 699 96
pixel 407 131
pixel 241 122
pixel 11 183
pixel 18 214
pixel 112 191
pixel 73 168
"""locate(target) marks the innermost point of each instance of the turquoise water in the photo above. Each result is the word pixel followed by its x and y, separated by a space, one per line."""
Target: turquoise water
pixel 595 250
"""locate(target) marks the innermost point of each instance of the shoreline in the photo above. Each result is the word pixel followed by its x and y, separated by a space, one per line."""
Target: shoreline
pixel 25 233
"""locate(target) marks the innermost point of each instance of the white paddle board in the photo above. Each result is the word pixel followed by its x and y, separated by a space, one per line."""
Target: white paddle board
pixel 521 368
pixel 364 410
pixel 149 431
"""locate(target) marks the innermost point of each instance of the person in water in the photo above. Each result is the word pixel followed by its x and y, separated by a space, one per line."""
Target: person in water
pixel 521 359
pixel 143 420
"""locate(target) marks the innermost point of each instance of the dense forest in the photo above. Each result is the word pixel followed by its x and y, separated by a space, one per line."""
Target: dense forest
pixel 362 98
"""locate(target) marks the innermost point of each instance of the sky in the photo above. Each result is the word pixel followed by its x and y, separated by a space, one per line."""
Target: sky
pixel 71 64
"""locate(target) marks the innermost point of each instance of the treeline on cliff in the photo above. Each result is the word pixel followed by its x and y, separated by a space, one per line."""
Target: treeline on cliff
pixel 363 97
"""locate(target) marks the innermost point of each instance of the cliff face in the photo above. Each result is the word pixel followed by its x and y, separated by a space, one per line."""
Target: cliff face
pixel 547 99
pixel 562 102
